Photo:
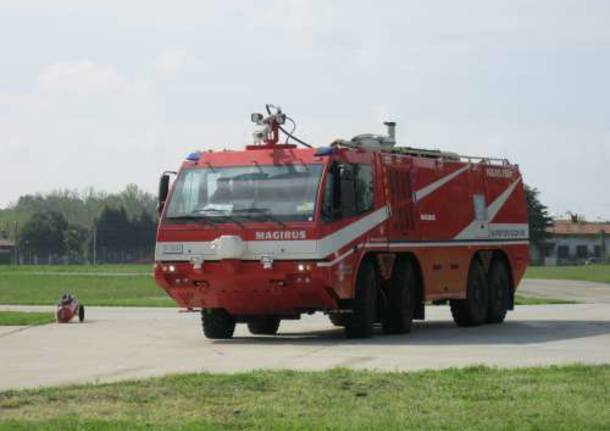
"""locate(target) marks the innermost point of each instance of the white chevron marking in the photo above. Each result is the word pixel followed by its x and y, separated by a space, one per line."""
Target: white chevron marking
pixel 471 231
pixel 430 188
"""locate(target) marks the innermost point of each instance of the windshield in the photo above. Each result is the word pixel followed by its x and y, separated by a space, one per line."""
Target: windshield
pixel 275 193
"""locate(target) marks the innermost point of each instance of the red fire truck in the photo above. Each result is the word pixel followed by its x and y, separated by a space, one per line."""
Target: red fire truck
pixel 362 230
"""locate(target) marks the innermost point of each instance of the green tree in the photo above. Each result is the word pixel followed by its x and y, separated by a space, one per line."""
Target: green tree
pixel 43 234
pixel 145 227
pixel 538 218
pixel 75 238
pixel 80 208
pixel 136 201
pixel 114 234
pixel 121 238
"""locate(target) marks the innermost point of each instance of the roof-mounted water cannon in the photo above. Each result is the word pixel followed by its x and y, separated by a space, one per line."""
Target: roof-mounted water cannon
pixel 271 126
pixel 269 133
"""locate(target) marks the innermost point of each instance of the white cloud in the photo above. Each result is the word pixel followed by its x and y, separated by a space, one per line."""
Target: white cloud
pixel 24 101
pixel 83 78
pixel 172 61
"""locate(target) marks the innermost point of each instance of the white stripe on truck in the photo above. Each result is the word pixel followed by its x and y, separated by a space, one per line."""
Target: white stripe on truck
pixel 281 249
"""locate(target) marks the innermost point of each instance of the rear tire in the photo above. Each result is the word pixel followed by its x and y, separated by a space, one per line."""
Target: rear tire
pixel 499 291
pixel 472 311
pixel 217 324
pixel 398 315
pixel 81 313
pixel 361 320
pixel 264 325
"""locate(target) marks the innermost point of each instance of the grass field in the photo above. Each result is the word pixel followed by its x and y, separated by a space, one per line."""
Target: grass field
pixel 94 285
pixel 127 269
pixel 527 300
pixel 133 285
pixel 557 398
pixel 594 273
pixel 18 318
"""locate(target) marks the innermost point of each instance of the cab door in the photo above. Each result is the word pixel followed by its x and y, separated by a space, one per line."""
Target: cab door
pixel 348 197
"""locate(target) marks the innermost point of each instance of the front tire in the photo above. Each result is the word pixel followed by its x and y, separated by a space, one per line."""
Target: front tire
pixel 398 315
pixel 499 291
pixel 81 313
pixel 360 322
pixel 338 319
pixel 217 324
pixel 472 311
pixel 264 325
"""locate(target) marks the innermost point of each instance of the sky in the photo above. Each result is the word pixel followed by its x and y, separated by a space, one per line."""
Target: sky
pixel 105 93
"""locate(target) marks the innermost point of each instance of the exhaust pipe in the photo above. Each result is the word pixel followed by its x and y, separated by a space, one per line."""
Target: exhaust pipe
pixel 391 129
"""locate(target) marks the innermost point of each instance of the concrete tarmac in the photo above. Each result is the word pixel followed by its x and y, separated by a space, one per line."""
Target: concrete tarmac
pixel 117 343
pixel 569 290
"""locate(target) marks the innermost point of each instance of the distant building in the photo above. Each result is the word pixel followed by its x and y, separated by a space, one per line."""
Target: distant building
pixel 7 251
pixel 574 242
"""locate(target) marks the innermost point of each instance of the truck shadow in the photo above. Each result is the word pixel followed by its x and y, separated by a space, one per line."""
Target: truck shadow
pixel 444 333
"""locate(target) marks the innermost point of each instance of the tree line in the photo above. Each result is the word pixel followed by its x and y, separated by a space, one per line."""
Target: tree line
pixel 79 227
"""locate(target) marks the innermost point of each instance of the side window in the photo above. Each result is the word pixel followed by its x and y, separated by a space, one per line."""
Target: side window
pixel 480 208
pixel 348 191
pixel 364 188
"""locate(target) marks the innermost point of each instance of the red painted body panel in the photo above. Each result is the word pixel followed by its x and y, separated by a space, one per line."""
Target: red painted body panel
pixel 424 206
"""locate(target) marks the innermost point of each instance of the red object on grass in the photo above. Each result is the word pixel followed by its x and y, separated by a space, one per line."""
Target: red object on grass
pixel 68 307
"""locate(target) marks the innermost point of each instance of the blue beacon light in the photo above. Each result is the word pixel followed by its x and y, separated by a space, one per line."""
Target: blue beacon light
pixel 194 156
pixel 324 151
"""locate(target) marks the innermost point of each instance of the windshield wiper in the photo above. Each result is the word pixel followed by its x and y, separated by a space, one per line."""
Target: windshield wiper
pixel 192 217
pixel 221 213
pixel 209 210
pixel 265 214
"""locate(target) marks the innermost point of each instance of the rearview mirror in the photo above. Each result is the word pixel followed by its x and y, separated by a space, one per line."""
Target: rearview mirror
pixel 163 191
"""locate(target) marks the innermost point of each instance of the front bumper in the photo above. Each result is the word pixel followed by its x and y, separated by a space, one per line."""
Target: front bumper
pixel 244 288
